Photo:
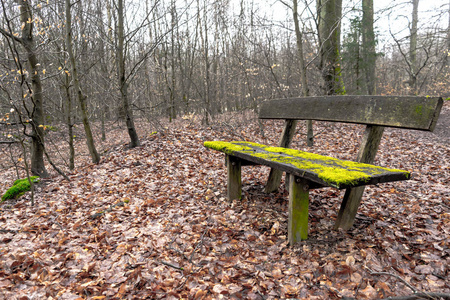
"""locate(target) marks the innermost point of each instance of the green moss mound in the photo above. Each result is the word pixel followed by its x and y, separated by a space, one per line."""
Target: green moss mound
pixel 19 188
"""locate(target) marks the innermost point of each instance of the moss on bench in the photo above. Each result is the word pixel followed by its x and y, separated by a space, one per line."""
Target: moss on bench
pixel 333 171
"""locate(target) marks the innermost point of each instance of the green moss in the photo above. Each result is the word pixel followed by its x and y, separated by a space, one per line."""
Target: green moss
pixel 19 188
pixel 230 148
pixel 331 170
pixel 419 109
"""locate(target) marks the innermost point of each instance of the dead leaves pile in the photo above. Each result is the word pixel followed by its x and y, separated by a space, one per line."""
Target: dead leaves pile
pixel 174 235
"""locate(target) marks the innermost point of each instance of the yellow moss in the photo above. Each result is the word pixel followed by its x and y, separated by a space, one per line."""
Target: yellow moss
pixel 331 170
pixel 230 148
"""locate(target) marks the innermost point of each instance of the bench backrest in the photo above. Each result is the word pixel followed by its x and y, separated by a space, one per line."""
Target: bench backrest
pixel 410 112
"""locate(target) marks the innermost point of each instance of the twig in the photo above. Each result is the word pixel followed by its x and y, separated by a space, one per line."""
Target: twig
pixel 393 275
pixel 96 215
pixel 170 265
pixel 198 245
pixel 8 231
pixel 418 296
pixel 262 296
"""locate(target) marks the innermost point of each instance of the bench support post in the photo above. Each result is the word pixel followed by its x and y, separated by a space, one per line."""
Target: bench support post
pixel 298 209
pixel 352 198
pixel 286 138
pixel 234 187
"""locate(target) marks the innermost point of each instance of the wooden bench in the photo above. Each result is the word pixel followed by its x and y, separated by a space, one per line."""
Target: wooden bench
pixel 310 171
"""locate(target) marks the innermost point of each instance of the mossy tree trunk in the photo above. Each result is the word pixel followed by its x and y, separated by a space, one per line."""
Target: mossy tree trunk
pixel 368 45
pixel 329 14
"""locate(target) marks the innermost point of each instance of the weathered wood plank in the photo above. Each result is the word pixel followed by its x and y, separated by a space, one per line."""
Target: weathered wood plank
pixel 234 183
pixel 298 209
pixel 352 198
pixel 273 182
pixel 322 170
pixel 411 112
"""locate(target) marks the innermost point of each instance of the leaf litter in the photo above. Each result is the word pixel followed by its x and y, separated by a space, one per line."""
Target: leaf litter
pixel 163 228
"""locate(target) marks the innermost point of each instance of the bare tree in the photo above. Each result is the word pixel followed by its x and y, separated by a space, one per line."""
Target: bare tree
pixel 81 98
pixel 122 78
pixel 290 125
pixel 35 112
pixel 413 47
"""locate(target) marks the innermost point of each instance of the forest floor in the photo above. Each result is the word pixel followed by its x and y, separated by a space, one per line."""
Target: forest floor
pixel 153 222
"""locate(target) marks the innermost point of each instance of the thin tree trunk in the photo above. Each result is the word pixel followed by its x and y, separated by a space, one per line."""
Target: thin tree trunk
pixel 413 48
pixel 447 57
pixel 273 182
pixel 37 116
pixel 81 98
pixel 69 123
pixel 123 84
pixel 174 22
pixel 302 66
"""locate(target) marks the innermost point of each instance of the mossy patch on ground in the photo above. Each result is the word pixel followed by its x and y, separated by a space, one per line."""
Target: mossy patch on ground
pixel 19 187
pixel 333 171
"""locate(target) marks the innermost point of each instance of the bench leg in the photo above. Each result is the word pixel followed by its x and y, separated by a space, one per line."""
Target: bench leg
pixel 234 187
pixel 298 209
pixel 349 207
pixel 273 182
pixel 367 151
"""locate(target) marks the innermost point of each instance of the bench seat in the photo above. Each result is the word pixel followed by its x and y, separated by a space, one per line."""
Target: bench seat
pixel 322 171
pixel 306 171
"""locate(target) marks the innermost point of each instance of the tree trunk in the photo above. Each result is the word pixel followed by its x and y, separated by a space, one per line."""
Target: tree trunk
pixel 413 48
pixel 69 122
pixel 37 115
pixel 329 20
pixel 368 45
pixel 302 67
pixel 447 57
pixel 123 84
pixel 274 180
pixel 81 98
pixel 205 47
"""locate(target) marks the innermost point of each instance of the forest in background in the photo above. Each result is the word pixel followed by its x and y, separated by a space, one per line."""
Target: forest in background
pixel 96 63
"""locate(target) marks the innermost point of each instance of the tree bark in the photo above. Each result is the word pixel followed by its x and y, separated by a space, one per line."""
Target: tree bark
pixel 81 98
pixel 329 14
pixel 368 45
